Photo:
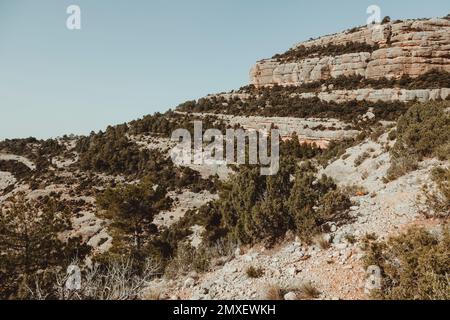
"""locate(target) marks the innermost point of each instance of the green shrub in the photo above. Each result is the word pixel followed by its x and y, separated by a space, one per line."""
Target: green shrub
pixel 334 206
pixel 401 165
pixel 280 101
pixel 415 265
pixel 350 238
pixel 187 259
pixel 16 168
pixel 30 244
pixel 38 151
pixel 386 20
pixel 254 273
pixel 437 199
pixel 423 131
pixel 336 149
pixel 111 152
pixel 433 79
pixel 443 152
pixel 252 208
pixel 302 52
pixel 131 209
pixel 310 202
pixel 392 135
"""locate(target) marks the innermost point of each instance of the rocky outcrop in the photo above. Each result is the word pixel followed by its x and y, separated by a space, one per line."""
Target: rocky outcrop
pixel 411 47
pixel 317 131
pixel 374 95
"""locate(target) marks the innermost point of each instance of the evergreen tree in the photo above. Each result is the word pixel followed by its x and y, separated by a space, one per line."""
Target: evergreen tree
pixel 305 195
pixel 30 244
pixel 131 209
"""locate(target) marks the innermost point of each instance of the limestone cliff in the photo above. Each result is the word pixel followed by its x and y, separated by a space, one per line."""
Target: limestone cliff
pixel 411 47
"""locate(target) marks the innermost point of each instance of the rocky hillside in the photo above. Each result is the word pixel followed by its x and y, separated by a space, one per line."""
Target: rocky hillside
pixel 364 182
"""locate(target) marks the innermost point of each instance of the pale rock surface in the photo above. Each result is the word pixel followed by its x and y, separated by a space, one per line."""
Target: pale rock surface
pixel 290 296
pixel 410 47
pixel 375 95
pixel 12 157
pixel 183 202
pixel 304 128
pixel 6 179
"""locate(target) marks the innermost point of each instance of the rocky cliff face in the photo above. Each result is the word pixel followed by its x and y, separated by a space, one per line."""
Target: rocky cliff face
pixel 374 95
pixel 411 47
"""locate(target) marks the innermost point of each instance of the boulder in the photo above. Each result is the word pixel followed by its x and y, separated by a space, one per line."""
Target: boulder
pixel 290 296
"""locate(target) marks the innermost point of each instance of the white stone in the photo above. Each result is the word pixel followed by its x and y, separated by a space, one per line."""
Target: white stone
pixel 290 296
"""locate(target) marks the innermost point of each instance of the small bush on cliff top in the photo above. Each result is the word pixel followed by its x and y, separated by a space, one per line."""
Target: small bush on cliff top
pixel 302 52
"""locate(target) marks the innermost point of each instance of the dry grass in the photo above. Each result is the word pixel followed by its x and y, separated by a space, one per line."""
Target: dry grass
pixel 254 273
pixel 308 291
pixel 153 295
pixel 274 292
pixel 322 242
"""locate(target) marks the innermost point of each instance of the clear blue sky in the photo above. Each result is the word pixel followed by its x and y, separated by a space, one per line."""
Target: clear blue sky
pixel 135 57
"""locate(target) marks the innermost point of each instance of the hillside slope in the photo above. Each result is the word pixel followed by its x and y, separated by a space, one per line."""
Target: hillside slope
pixel 364 119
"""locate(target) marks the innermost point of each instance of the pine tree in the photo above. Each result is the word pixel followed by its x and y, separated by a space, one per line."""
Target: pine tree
pixel 30 243
pixel 306 194
pixel 131 209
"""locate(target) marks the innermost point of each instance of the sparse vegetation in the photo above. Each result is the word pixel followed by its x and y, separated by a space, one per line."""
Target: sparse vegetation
pixel 433 79
pixel 18 169
pixel 308 291
pixel 322 242
pixel 111 280
pixel 30 245
pixel 111 152
pixel 131 209
pixel 415 265
pixel 437 198
pixel 424 131
pixel 187 259
pixel 254 208
pixel 361 158
pixel 131 186
pixel 350 238
pixel 273 292
pixel 254 273
pixel 302 52
pixel 281 101
pixel 39 151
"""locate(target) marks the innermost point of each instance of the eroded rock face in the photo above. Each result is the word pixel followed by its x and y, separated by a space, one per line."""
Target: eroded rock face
pixel 411 47
pixel 306 129
pixel 374 95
